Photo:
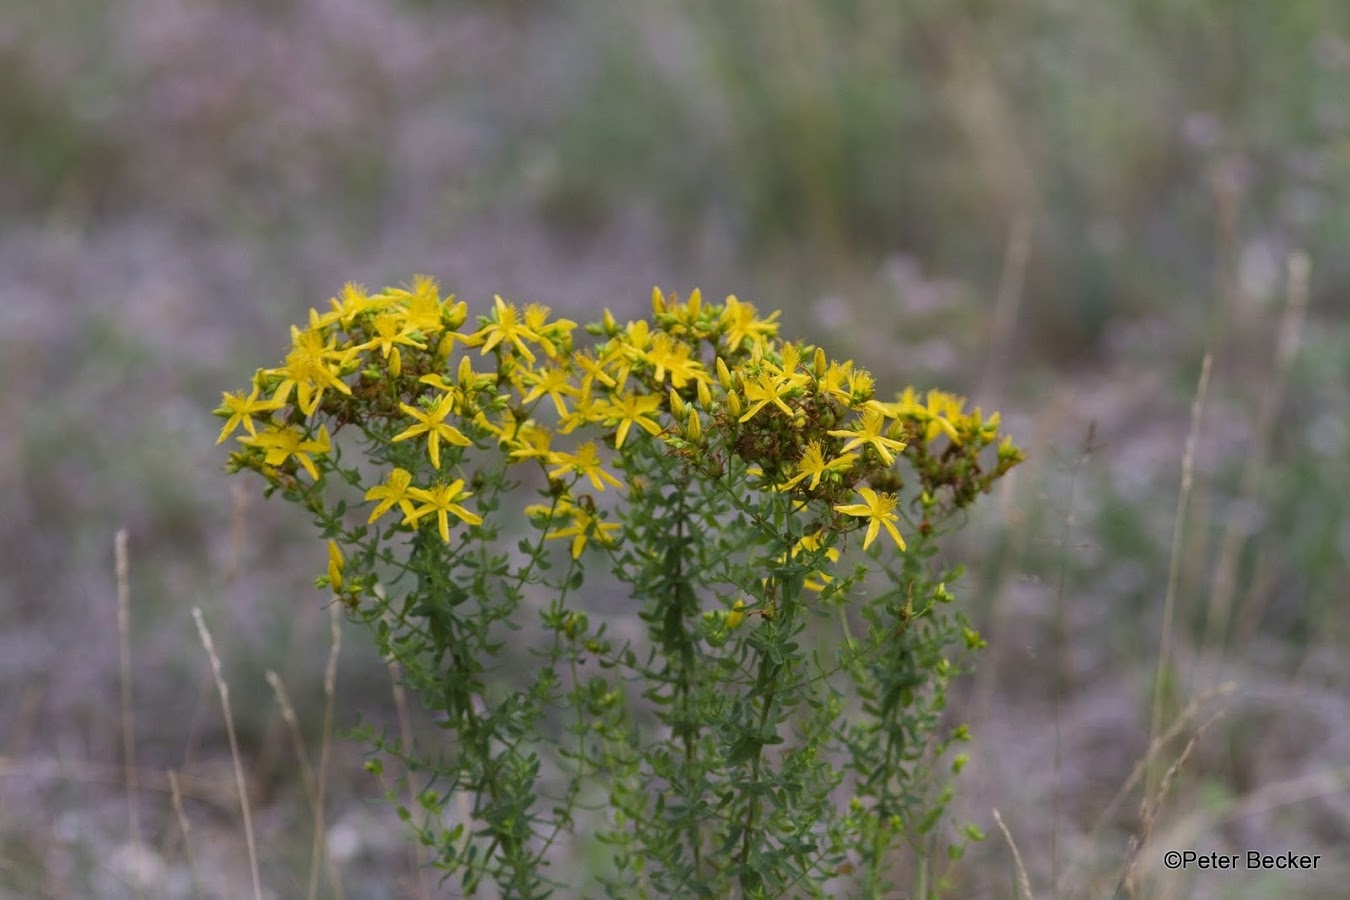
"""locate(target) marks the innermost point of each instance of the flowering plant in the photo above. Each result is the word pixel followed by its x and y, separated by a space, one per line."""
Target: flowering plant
pixel 757 706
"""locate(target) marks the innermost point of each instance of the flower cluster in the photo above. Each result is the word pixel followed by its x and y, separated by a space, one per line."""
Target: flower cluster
pixel 715 465
pixel 711 381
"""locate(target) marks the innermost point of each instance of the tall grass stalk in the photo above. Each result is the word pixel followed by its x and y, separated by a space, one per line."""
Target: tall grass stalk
pixel 1174 566
pixel 1255 464
pixel 183 826
pixel 1061 644
pixel 122 567
pixel 223 690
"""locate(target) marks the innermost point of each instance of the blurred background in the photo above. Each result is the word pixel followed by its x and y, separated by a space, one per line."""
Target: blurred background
pixel 1057 209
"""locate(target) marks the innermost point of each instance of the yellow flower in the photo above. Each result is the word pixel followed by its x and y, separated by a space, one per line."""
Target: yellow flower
pixel 832 383
pixel 763 391
pixel 943 408
pixel 586 411
pixel 586 461
pixel 559 330
pixel 355 302
pixel 426 312
pixel 631 410
pixel 879 509
pixel 431 422
pixel 869 432
pixel 240 411
pixel 585 525
pixel 391 329
pixel 311 366
pixel 935 415
pixel 394 490
pixel 281 442
pixel 529 441
pixel 860 387
pixel 507 329
pixel 593 370
pixel 787 372
pixel 814 464
pixel 554 381
pixel 740 321
pixel 441 500
pixel 669 355
pixel 811 544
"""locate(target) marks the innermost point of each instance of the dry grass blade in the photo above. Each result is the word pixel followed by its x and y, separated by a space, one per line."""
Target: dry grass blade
pixel 1174 565
pixel 1254 466
pixel 319 848
pixel 223 690
pixel 1156 747
pixel 1060 644
pixel 187 834
pixel 1149 807
pixel 297 739
pixel 405 731
pixel 122 567
pixel 1023 882
pixel 1006 302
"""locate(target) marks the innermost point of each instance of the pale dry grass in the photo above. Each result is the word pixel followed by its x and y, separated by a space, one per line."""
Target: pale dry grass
pixel 223 690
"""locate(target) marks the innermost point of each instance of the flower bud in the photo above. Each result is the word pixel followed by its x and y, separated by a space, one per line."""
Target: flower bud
pixel 734 404
pixel 704 396
pixel 736 616
pixel 678 408
pixel 723 376
pixel 658 301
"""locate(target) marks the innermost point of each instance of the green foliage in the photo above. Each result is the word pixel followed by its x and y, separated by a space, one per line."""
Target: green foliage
pixel 1125 136
pixel 769 720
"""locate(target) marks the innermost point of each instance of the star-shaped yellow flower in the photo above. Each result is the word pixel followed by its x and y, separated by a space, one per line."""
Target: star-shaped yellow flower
pixel 312 365
pixel 355 303
pixel 585 525
pixel 393 491
pixel 431 422
pixel 669 355
pixel 869 432
pixel 281 442
pixel 507 329
pixel 555 381
pixel 586 461
pixel 879 509
pixel 814 465
pixel 441 500
pixel 239 410
pixel 741 320
pixel 392 329
pixel 763 391
pixel 631 409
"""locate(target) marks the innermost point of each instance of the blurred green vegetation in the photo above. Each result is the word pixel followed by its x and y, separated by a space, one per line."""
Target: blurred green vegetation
pixel 1125 133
